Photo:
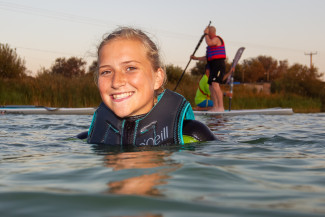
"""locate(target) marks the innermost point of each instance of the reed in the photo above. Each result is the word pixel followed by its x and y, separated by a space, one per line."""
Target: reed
pixel 245 98
pixel 59 91
pixel 48 90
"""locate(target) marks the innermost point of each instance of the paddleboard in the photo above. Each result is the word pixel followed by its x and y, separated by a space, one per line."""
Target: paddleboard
pixel 35 110
pixel 269 111
pixel 39 110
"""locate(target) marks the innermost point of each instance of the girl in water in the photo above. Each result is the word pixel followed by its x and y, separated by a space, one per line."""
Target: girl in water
pixel 135 108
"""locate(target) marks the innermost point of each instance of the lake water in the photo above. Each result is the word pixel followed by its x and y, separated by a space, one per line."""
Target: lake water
pixel 261 166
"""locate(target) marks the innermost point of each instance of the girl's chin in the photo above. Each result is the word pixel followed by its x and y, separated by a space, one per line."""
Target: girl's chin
pixel 122 114
pixel 129 109
pixel 125 114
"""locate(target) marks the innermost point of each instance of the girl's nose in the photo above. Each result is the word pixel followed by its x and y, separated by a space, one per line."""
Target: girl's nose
pixel 119 79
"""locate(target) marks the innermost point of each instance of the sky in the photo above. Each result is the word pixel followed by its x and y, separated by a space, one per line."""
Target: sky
pixel 43 30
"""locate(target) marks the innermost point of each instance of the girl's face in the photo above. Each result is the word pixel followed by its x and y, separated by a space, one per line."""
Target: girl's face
pixel 126 79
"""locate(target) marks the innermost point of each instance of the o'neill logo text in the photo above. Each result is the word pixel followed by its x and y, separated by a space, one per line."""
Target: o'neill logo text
pixel 158 138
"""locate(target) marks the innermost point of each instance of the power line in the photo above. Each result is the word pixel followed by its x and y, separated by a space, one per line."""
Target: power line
pixel 58 15
pixel 19 8
pixel 51 14
pixel 46 51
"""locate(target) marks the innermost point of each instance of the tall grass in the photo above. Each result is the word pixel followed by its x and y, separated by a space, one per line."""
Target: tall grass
pixel 59 91
pixel 247 98
pixel 48 90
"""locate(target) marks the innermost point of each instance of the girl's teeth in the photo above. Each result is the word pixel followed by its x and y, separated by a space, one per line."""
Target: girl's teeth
pixel 122 95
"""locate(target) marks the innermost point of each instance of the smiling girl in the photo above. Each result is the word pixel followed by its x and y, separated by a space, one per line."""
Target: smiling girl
pixel 135 108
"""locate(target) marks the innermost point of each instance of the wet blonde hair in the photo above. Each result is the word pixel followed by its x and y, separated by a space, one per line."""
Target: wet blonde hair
pixel 136 34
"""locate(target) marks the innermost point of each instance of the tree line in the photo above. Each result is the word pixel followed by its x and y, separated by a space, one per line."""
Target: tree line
pixel 296 79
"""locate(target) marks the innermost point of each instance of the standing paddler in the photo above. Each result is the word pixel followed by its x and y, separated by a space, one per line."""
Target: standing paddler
pixel 215 56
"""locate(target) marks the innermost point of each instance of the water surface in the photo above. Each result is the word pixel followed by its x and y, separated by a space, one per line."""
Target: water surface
pixel 262 165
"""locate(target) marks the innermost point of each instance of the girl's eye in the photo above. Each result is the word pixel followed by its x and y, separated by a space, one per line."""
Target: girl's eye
pixel 130 69
pixel 106 72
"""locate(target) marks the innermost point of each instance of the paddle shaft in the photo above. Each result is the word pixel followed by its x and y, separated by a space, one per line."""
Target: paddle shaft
pixel 196 48
pixel 231 91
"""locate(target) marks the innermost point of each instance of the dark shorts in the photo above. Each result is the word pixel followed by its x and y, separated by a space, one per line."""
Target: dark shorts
pixel 217 70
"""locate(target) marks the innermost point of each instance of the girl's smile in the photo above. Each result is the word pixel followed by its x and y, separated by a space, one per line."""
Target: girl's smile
pixel 121 96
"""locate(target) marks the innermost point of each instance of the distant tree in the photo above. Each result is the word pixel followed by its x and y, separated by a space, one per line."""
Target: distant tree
pixel 252 70
pixel 173 73
pixel 198 69
pixel 315 74
pixel 238 72
pixel 261 68
pixel 93 67
pixel 43 71
pixel 292 81
pixel 282 68
pixel 72 67
pixel 11 65
pixel 269 65
pixel 301 80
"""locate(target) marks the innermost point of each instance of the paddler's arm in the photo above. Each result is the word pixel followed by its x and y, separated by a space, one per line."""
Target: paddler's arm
pixel 195 131
pixel 211 41
pixel 204 58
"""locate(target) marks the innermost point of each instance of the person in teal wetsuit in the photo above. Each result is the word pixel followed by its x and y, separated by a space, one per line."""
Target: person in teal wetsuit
pixel 136 110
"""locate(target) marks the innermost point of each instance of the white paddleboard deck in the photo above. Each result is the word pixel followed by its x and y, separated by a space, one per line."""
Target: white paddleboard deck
pixel 49 111
pixel 269 111
pixel 91 110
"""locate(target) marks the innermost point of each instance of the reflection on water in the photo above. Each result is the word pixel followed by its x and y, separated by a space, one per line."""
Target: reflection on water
pixel 147 168
pixel 218 125
pixel 215 123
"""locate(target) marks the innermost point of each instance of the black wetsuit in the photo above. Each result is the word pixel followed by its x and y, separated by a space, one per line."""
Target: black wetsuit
pixel 171 121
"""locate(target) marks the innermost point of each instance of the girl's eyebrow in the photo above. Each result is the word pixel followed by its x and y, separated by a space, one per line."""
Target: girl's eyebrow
pixel 124 63
pixel 103 66
pixel 130 61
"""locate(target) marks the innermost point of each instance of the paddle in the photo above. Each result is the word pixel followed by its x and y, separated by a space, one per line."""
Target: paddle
pixel 233 65
pixel 197 47
pixel 231 90
pixel 229 76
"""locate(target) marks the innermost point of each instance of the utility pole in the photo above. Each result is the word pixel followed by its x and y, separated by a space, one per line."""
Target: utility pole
pixel 311 58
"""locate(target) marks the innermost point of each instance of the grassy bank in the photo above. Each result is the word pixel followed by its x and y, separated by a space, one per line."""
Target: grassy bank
pixel 58 91
pixel 247 98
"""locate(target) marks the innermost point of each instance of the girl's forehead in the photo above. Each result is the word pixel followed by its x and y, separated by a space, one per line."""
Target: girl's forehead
pixel 125 41
pixel 123 50
pixel 124 45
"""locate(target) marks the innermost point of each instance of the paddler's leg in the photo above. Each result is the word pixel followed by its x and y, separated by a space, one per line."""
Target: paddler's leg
pixel 217 97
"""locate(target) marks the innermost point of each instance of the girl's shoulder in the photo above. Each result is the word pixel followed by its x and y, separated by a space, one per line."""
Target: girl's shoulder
pixel 198 131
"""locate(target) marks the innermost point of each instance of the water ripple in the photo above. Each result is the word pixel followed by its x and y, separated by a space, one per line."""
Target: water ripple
pixel 260 166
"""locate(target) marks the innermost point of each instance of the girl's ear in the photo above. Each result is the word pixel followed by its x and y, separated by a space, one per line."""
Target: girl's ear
pixel 159 78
